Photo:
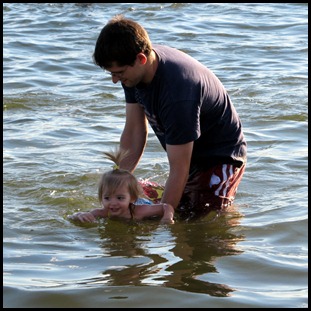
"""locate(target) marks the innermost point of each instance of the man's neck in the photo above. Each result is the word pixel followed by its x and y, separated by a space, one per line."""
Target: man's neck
pixel 152 65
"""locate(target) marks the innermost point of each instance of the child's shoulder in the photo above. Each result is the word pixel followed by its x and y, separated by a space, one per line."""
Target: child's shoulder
pixel 142 201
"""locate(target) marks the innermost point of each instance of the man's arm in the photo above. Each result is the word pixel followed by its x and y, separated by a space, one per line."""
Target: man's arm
pixel 134 136
pixel 179 157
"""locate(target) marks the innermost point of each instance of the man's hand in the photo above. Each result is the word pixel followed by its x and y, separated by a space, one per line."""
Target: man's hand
pixel 168 214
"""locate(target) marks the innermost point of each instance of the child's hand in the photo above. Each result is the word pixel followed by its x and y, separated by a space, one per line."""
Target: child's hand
pixel 82 217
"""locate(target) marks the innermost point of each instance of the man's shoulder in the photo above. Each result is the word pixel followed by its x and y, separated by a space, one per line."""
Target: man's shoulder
pixel 167 52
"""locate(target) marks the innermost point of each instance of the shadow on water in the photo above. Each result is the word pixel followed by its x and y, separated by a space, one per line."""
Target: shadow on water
pixel 178 256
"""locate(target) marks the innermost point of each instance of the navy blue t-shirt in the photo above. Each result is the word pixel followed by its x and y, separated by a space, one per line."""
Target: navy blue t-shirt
pixel 186 102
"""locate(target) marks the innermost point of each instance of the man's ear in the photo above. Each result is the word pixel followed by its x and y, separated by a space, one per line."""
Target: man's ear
pixel 142 58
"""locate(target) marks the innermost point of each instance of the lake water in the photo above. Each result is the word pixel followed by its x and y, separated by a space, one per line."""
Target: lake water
pixel 60 112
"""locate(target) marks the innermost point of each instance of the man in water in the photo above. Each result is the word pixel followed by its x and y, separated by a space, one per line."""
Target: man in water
pixel 189 110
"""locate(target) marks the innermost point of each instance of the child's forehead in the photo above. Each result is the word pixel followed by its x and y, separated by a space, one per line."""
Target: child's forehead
pixel 121 189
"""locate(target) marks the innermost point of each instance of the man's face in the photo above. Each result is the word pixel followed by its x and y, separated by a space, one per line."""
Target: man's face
pixel 130 76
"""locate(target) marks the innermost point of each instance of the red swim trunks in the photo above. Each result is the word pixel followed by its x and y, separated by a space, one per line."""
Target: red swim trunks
pixel 214 189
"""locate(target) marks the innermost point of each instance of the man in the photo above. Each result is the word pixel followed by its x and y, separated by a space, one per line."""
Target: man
pixel 189 111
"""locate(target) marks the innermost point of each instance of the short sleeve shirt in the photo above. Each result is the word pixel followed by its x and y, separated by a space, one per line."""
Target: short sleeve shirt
pixel 186 102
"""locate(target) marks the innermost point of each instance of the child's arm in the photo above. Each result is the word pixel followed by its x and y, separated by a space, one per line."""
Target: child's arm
pixel 164 210
pixel 90 216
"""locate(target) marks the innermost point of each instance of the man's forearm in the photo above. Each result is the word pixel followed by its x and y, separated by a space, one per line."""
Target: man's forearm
pixel 179 157
pixel 135 148
pixel 174 188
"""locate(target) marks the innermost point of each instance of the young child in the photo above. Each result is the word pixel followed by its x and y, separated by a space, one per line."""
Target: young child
pixel 119 193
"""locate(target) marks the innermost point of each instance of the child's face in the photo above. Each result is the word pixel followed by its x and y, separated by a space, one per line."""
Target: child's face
pixel 118 203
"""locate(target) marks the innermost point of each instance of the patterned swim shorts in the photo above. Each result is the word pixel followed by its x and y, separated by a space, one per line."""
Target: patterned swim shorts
pixel 214 189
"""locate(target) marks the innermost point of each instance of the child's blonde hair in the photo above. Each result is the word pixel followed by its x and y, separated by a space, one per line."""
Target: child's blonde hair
pixel 115 178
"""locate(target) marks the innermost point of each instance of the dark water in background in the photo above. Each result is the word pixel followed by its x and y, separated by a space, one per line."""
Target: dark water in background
pixel 61 112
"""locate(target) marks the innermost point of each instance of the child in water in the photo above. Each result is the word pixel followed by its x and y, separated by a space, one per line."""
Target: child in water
pixel 119 193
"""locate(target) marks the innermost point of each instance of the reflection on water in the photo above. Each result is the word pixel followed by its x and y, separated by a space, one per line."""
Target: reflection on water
pixel 171 256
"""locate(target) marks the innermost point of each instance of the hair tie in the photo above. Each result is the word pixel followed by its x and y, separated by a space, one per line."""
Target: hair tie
pixel 115 167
